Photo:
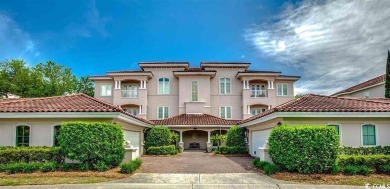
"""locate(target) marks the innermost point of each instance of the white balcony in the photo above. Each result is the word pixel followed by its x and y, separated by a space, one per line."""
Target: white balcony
pixel 133 93
pixel 259 93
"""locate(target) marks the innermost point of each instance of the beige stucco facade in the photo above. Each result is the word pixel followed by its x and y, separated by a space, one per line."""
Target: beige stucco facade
pixel 377 91
pixel 239 99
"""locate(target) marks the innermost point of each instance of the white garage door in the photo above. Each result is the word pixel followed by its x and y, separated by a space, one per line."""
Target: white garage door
pixel 133 137
pixel 259 138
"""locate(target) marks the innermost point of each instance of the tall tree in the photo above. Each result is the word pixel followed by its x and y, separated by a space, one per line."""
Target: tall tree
pixel 86 86
pixel 387 79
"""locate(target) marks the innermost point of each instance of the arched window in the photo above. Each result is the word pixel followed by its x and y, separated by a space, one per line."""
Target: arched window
pixel 163 85
pixel 56 132
pixel 369 135
pixel 224 85
pixel 22 135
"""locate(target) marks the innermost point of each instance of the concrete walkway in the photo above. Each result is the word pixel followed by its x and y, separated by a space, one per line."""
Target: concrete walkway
pixel 191 181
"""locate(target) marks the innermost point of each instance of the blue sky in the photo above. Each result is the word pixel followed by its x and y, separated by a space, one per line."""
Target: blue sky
pixel 92 37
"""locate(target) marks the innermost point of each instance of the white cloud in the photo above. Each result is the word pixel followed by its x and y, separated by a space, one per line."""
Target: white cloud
pixel 336 44
pixel 14 42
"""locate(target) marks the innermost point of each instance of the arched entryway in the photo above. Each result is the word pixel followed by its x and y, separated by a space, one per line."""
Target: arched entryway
pixel 195 139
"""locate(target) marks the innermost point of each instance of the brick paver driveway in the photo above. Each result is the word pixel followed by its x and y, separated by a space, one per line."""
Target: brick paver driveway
pixel 196 162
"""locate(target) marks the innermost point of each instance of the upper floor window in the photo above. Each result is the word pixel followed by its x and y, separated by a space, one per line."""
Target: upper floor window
pixel 258 91
pixel 224 85
pixel 22 135
pixel 282 89
pixel 194 91
pixel 106 89
pixel 256 111
pixel 56 132
pixel 130 91
pixel 162 112
pixel 369 135
pixel 367 94
pixel 163 85
pixel 225 112
pixel 132 111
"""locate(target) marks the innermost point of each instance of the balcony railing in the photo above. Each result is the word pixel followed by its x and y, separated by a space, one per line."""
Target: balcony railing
pixel 259 93
pixel 130 93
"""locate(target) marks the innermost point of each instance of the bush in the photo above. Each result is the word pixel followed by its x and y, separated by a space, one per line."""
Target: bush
pixel 304 149
pixel 83 166
pixel 68 167
pixel 22 167
pixel 235 136
pixel 375 162
pixel 29 154
pixel 270 169
pixel 158 136
pixel 260 164
pixel 364 170
pixel 233 150
pixel 383 169
pixel 48 167
pixel 385 150
pixel 130 167
pixel 100 166
pixel 336 169
pixel 93 143
pixel 162 150
pixel 351 170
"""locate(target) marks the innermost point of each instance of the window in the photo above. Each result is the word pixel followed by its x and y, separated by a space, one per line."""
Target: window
pixel 367 94
pixel 55 135
pixel 130 91
pixel 257 91
pixel 132 111
pixel 163 112
pixel 282 89
pixel 256 111
pixel 369 135
pixel 163 86
pixel 106 89
pixel 224 85
pixel 225 112
pixel 194 91
pixel 336 127
pixel 22 135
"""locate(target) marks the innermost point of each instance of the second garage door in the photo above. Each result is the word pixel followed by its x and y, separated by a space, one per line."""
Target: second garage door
pixel 259 138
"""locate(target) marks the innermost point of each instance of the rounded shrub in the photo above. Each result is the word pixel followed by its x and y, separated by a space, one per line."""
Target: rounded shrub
pixel 158 136
pixel 351 170
pixel 93 143
pixel 304 149
pixel 49 166
pixel 270 169
pixel 236 136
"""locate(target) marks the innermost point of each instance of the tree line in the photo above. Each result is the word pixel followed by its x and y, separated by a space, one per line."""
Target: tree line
pixel 42 80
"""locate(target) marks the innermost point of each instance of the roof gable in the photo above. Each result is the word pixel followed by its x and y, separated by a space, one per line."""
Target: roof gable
pixel 195 119
pixel 366 84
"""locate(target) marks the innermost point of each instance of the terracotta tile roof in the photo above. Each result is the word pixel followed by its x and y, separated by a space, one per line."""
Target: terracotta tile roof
pixel 225 63
pixel 69 103
pixel 320 103
pixel 365 84
pixel 98 76
pixel 195 119
pixel 195 70
pixel 289 76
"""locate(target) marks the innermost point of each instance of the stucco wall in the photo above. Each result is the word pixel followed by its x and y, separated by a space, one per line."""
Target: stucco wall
pixel 375 92
pixel 195 136
pixel 185 94
pixel 98 88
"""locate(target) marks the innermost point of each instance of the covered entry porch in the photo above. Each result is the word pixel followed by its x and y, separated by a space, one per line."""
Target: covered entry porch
pixel 198 138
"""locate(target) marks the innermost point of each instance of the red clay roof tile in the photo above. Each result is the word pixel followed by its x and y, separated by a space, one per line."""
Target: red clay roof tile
pixel 365 84
pixel 195 119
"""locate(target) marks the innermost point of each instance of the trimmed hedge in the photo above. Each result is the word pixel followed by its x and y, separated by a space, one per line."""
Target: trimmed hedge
pixel 375 162
pixel 235 136
pixel 385 150
pixel 269 168
pixel 162 150
pixel 29 154
pixel 232 150
pixel 131 166
pixel 158 136
pixel 22 167
pixel 100 145
pixel 304 149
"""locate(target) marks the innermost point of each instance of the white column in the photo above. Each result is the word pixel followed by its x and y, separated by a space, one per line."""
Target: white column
pixel 208 136
pixel 272 84
pixel 269 107
pixel 145 84
pixel 269 84
pixel 249 109
pixel 140 109
pixel 181 136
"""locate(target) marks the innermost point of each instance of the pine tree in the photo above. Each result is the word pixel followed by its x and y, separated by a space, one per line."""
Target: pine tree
pixel 387 79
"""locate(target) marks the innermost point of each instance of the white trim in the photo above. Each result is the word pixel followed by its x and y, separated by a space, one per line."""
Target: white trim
pixel 376 134
pixel 364 88
pixel 199 126
pixel 59 115
pixel 169 110
pixel 132 120
pixel 340 130
pixel 52 132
